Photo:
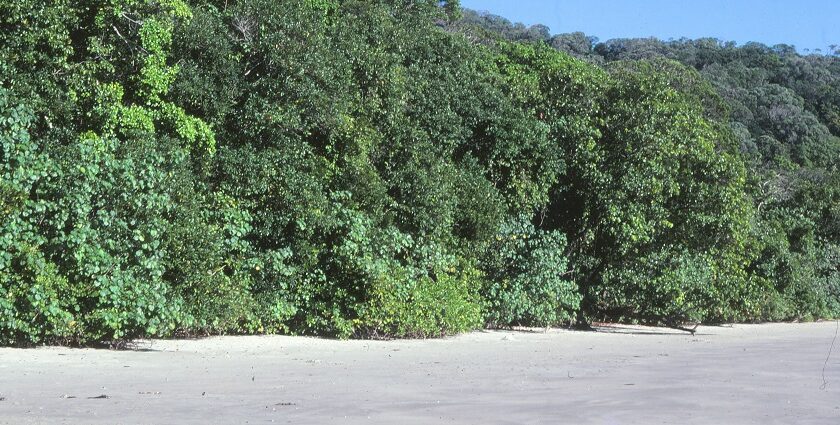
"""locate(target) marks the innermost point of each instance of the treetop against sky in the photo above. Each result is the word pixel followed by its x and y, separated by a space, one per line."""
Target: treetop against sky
pixel 806 24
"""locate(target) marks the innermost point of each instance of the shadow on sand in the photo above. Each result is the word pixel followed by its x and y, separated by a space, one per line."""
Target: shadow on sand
pixel 609 328
pixel 646 330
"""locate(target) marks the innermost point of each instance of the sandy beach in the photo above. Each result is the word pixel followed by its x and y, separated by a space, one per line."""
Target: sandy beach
pixel 742 374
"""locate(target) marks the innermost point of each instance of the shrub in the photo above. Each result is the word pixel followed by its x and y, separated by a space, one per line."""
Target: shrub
pixel 663 286
pixel 527 281
pixel 377 281
pixel 36 301
pixel 421 305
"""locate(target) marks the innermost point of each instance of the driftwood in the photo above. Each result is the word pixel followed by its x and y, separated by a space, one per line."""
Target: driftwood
pixel 676 326
pixel 678 321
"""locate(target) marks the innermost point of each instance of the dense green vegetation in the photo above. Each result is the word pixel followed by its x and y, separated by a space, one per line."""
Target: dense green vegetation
pixel 398 168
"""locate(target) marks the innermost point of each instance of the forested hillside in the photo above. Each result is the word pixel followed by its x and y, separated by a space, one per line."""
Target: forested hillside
pixel 783 110
pixel 399 168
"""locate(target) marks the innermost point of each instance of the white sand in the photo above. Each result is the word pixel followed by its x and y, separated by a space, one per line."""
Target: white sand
pixel 761 374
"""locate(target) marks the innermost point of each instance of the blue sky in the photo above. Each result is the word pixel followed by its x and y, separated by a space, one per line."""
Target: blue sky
pixel 806 24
